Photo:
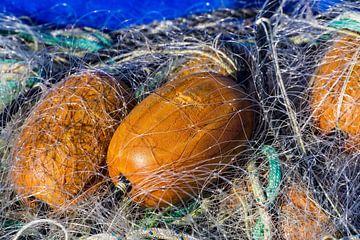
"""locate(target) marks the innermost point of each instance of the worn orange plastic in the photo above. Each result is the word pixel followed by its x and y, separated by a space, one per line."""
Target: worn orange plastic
pixel 335 96
pixel 177 140
pixel 61 150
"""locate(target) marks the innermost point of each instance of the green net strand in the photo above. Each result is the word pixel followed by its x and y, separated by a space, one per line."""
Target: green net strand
pixel 262 228
pixel 274 178
pixel 171 216
pixel 8 89
pixel 348 23
pixel 86 39
pixel 348 20
pixel 15 77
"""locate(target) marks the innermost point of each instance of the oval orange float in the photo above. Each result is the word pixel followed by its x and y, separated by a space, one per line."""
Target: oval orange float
pixel 173 143
pixel 61 151
pixel 335 95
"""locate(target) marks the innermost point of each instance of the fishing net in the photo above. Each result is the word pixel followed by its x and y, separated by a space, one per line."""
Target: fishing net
pixel 64 92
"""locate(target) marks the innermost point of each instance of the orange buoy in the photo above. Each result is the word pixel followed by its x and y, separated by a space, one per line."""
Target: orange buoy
pixel 301 218
pixel 172 143
pixel 335 95
pixel 60 152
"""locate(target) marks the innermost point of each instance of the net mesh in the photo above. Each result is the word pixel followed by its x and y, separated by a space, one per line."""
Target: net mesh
pixel 65 91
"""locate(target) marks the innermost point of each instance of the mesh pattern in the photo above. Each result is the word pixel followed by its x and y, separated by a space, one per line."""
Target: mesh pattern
pixel 298 177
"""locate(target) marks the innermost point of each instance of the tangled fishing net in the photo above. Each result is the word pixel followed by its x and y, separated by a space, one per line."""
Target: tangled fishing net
pixel 65 91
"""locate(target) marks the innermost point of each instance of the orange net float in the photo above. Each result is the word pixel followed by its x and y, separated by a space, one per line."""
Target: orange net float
pixel 175 142
pixel 301 218
pixel 335 96
pixel 60 152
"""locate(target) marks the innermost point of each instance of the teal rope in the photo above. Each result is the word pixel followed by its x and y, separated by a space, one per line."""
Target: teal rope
pixel 274 178
pixel 262 229
pixel 16 76
pixel 258 232
pixel 84 41
pixel 74 42
pixel 348 20
pixel 171 216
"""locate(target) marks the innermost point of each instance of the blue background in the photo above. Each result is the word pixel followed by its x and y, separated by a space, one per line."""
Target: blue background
pixel 114 14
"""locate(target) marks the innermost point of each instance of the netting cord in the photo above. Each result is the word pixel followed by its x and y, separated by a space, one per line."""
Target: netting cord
pixel 177 215
pixel 78 41
pixel 41 221
pixel 157 233
pixel 357 237
pixel 264 43
pixel 16 104
pixel 263 25
pixel 81 42
pixel 101 236
pixel 262 229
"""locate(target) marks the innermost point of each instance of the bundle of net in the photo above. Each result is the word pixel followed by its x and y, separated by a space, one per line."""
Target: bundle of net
pixel 307 81
pixel 141 133
pixel 205 127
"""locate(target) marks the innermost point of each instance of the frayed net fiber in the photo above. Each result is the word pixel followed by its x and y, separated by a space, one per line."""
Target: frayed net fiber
pixel 236 124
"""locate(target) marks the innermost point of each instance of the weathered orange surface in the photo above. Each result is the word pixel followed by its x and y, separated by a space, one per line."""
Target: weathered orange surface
pixel 336 90
pixel 302 219
pixel 61 151
pixel 171 143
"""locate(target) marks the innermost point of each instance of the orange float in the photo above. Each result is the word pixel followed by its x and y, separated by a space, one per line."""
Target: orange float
pixel 173 144
pixel 60 152
pixel 335 96
pixel 301 218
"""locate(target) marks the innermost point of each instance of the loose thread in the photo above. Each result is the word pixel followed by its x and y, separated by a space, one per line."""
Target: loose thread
pixel 157 233
pixel 172 217
pixel 41 221
pixel 262 229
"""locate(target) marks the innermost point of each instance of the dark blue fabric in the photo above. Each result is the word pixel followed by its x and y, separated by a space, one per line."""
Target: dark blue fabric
pixel 114 14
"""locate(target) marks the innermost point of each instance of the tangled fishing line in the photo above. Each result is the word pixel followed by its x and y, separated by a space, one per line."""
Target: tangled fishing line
pixel 64 92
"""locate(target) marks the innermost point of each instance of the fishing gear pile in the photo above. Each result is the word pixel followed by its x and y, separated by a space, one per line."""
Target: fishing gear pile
pixel 235 124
